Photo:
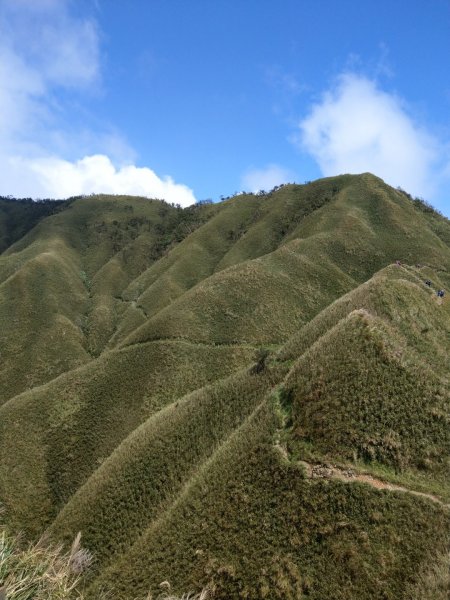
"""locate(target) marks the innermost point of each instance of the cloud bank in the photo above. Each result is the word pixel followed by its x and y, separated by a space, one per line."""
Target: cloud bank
pixel 51 177
pixel 357 127
pixel 266 178
pixel 48 57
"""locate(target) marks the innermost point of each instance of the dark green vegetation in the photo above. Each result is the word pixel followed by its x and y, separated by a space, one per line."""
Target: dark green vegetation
pixel 18 216
pixel 166 374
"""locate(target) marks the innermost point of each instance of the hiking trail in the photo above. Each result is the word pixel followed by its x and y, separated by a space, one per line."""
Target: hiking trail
pixel 348 474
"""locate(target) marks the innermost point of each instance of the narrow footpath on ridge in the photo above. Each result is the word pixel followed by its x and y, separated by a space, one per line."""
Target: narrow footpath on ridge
pixel 326 471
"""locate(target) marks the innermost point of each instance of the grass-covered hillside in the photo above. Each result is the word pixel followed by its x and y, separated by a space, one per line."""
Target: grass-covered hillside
pixel 247 399
pixel 19 215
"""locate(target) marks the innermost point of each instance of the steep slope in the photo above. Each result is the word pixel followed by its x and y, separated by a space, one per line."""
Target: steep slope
pixel 158 426
pixel 371 383
pixel 59 433
pixel 252 523
pixel 18 216
pixel 245 228
pixel 363 226
pixel 253 526
pixel 42 303
pixel 160 457
pixel 359 393
pixel 400 297
pixel 143 270
pixel 60 284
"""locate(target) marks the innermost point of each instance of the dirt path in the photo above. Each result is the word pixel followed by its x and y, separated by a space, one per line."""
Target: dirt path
pixel 326 471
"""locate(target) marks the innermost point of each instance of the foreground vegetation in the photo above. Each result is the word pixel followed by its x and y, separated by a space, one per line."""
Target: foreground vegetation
pixel 168 373
pixel 40 571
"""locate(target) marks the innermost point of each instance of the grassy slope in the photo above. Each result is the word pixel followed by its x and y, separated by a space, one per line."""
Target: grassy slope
pixel 244 228
pixel 358 546
pixel 363 227
pixel 250 522
pixel 18 216
pixel 149 469
pixel 68 273
pixel 399 354
pixel 397 295
pixel 254 526
pixel 74 422
pixel 109 243
pixel 42 300
pixel 197 487
pixel 359 393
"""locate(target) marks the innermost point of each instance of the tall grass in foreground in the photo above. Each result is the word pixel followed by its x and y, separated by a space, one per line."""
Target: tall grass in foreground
pixel 204 595
pixel 434 583
pixel 40 571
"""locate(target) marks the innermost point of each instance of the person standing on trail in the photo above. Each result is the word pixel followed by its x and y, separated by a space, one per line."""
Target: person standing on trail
pixel 428 283
pixel 440 293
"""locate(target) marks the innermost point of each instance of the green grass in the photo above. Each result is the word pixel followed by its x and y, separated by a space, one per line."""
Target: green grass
pixel 69 272
pixel 77 420
pixel 149 469
pixel 399 297
pixel 358 227
pixel 18 216
pixel 250 524
pixel 40 571
pixel 131 410
pixel 357 394
pixel 370 388
pixel 42 302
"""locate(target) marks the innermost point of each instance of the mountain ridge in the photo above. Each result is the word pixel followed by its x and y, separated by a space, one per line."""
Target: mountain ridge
pixel 155 360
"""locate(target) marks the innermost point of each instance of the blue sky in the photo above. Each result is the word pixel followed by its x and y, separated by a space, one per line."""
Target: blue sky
pixel 194 99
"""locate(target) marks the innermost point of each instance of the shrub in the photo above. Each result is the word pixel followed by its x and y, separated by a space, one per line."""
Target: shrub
pixel 260 365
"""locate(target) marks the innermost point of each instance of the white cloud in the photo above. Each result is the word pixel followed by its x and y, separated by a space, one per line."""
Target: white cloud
pixel 357 127
pixel 63 49
pixel 47 57
pixel 43 49
pixel 255 180
pixel 57 178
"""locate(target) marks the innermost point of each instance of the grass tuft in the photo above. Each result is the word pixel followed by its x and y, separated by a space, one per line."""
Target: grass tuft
pixel 40 571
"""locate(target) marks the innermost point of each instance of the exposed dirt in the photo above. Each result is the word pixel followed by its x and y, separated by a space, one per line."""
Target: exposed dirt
pixel 327 471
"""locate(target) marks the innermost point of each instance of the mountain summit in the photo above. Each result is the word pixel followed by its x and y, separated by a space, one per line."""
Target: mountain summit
pixel 248 397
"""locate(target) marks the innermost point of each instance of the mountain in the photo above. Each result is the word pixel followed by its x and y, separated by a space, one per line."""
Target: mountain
pixel 250 397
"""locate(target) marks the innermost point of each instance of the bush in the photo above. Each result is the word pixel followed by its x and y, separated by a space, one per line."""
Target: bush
pixel 260 364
